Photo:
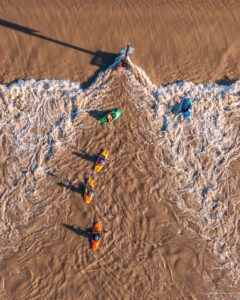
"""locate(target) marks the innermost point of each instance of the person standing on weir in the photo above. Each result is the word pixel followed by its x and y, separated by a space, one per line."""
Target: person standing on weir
pixel 125 52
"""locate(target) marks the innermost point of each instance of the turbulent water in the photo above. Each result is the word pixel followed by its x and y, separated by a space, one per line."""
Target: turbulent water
pixel 168 199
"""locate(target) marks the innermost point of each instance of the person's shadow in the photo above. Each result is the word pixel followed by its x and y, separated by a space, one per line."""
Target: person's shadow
pixel 85 232
pixel 176 108
pixel 92 158
pixel 69 185
pixel 85 156
pixel 77 189
pixel 225 81
pixel 101 59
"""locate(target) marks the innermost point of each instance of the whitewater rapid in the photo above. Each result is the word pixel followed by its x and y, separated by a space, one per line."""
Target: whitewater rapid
pixel 41 118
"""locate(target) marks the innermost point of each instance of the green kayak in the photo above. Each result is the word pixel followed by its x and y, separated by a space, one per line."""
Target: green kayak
pixel 110 117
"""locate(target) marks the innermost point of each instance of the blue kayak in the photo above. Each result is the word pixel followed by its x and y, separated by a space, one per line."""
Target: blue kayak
pixel 186 109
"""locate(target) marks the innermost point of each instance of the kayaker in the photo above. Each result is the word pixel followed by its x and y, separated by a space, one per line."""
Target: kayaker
pixel 109 118
pixel 101 160
pixel 90 193
pixel 96 236
pixel 125 63
pixel 186 108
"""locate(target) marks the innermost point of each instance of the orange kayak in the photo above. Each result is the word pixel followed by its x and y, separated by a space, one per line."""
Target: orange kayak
pixel 103 155
pixel 89 190
pixel 96 235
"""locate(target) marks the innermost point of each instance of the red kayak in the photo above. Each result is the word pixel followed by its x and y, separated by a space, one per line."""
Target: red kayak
pixel 96 235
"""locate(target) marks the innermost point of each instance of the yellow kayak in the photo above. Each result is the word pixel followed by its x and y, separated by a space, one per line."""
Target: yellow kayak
pixel 101 161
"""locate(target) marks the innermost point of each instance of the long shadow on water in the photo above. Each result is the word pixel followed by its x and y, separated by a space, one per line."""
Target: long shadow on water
pixel 98 114
pixel 100 59
pixel 86 156
pixel 85 232
pixel 226 81
pixel 51 174
pixel 80 189
pixel 175 109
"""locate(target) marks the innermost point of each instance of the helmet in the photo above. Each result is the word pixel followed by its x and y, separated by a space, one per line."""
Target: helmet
pixel 187 107
pixel 96 237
